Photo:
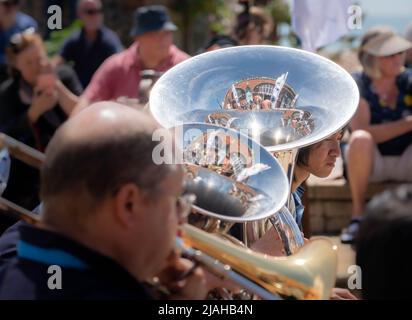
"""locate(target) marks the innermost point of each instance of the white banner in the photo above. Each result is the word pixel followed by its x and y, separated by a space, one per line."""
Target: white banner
pixel 318 23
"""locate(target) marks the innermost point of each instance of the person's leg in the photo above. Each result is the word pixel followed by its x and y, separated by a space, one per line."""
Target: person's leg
pixel 360 156
pixel 360 162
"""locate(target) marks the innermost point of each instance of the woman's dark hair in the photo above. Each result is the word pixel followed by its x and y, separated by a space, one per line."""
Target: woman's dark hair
pixel 303 156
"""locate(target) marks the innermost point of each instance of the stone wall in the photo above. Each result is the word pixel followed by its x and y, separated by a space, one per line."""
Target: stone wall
pixel 329 203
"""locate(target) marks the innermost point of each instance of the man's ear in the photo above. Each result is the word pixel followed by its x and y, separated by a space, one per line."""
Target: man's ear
pixel 128 204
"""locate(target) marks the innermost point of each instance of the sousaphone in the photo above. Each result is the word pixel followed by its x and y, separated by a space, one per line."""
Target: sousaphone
pixel 283 98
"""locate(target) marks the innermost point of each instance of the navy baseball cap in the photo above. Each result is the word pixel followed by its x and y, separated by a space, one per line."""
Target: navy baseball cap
pixel 151 18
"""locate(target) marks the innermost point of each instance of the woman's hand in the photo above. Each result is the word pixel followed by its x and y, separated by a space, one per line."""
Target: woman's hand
pixel 342 294
pixel 43 101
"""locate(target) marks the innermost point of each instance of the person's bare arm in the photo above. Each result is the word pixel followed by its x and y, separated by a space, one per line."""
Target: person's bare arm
pixel 380 132
pixel 67 99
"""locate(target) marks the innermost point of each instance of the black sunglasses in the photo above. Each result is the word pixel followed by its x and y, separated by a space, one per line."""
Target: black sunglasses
pixel 91 12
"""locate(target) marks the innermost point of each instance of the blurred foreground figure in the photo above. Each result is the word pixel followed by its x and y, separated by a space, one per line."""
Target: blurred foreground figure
pixel 109 218
pixel 383 244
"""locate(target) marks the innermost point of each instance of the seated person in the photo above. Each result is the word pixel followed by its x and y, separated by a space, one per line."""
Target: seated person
pixel 33 104
pixel 384 238
pixel 110 215
pixel 317 159
pixel 380 146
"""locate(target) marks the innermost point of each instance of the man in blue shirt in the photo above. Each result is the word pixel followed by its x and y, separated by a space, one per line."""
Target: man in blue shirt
pixel 90 46
pixel 12 21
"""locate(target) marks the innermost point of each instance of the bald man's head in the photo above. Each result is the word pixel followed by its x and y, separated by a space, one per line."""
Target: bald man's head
pixel 104 120
pixel 95 152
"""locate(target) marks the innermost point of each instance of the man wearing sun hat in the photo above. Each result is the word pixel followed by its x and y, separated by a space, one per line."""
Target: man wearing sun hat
pixel 380 146
pixel 153 48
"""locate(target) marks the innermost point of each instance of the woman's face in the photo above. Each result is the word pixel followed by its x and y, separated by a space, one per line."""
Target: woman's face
pixel 391 65
pixel 30 62
pixel 322 156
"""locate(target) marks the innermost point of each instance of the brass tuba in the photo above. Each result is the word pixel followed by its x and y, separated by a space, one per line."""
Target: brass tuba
pixel 283 98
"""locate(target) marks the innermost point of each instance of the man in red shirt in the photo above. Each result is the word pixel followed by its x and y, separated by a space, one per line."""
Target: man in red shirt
pixel 153 49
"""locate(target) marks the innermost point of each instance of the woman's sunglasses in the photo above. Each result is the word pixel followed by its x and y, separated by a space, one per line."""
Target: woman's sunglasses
pixel 17 39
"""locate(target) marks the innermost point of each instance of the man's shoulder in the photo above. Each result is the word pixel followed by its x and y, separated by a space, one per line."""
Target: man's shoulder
pixel 109 40
pixel 178 55
pixel 28 280
pixel 109 34
pixel 73 38
pixel 118 61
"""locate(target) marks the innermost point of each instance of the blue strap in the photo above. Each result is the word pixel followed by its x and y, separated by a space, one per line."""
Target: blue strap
pixel 49 256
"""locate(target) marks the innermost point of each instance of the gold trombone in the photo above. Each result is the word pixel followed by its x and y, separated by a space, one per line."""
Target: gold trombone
pixel 308 274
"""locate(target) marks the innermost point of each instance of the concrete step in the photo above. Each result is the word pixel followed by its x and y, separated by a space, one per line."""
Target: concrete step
pixel 329 203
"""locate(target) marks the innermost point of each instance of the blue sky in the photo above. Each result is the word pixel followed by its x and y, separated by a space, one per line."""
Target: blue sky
pixel 395 13
pixel 394 8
